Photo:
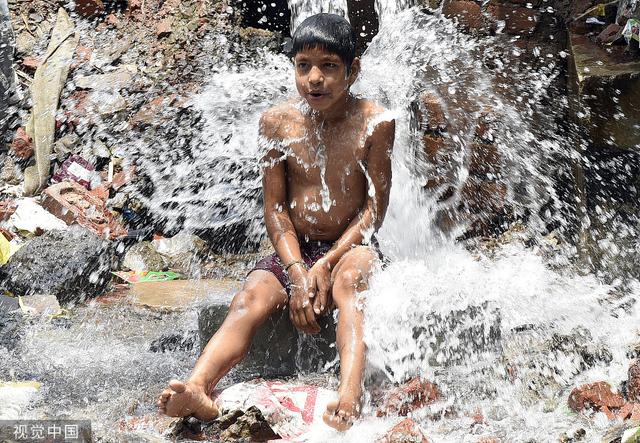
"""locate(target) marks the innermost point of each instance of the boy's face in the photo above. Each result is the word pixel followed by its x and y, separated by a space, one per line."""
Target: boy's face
pixel 321 78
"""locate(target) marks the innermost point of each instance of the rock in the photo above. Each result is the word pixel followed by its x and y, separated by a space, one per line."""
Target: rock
pixel 408 397
pixel 110 81
pixel 596 396
pixel 72 203
pixel 276 349
pixel 251 425
pixel 73 265
pixel 106 103
pixel 633 382
pixel 11 325
pixel 150 114
pixel 467 14
pixel 476 329
pixel 40 304
pixel 174 341
pixel 229 418
pixel 22 145
pixel 144 257
pixel 407 431
pixel 163 29
pixel 516 19
pixel 573 436
pixel 89 8
pixel 182 251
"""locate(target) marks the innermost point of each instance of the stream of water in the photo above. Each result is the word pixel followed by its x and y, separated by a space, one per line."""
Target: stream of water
pixel 527 306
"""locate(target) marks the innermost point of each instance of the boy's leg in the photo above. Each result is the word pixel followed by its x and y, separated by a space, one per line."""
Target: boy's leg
pixel 350 277
pixel 261 296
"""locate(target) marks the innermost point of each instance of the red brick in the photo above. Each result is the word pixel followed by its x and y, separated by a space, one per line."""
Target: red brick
pixel 407 431
pixel 596 396
pixel 7 208
pixel 72 203
pixel 22 144
pixel 412 395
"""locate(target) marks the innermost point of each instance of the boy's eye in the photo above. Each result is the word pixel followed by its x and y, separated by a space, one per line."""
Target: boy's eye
pixel 331 65
pixel 302 65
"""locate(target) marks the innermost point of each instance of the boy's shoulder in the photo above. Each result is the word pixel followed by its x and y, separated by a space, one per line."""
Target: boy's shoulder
pixel 273 117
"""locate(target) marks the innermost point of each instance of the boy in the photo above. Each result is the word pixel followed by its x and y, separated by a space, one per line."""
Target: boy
pixel 326 182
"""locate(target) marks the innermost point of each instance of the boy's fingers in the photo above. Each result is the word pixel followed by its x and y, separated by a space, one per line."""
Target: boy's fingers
pixel 311 290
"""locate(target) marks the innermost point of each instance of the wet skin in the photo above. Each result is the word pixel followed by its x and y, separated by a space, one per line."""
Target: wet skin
pixel 325 123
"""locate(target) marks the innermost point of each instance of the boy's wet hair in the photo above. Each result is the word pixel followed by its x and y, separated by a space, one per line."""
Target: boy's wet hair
pixel 330 32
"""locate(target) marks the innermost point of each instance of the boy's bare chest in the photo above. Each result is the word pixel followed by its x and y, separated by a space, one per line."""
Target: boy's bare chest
pixel 336 155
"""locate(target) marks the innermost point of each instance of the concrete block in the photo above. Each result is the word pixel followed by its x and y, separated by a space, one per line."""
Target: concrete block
pixel 278 348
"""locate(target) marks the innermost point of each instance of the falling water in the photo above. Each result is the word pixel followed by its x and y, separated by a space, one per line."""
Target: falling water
pixel 507 328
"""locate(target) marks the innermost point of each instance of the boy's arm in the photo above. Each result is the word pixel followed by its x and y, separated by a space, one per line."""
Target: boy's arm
pixel 367 222
pixel 280 229
pixel 373 211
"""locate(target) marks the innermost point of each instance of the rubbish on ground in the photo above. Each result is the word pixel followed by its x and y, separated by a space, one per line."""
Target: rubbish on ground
pixel 177 294
pixel 631 30
pixel 594 21
pixel 76 169
pixel 147 276
pixel 31 217
pixel 74 204
pixel 291 409
pixel 47 85
pixel 7 249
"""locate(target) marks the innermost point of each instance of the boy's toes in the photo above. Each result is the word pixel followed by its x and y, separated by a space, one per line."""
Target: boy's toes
pixel 336 417
pixel 178 386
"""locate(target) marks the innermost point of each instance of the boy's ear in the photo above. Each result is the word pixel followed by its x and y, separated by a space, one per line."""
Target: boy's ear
pixel 355 70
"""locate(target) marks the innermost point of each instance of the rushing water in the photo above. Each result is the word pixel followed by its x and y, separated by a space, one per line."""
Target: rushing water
pixel 538 328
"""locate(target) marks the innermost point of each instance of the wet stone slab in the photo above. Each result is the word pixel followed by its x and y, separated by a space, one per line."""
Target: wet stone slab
pixel 606 92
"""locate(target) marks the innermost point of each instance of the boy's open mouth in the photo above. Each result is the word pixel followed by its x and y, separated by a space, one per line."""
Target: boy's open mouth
pixel 316 94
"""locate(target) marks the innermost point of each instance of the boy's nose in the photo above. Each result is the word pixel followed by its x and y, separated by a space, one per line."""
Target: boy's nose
pixel 315 75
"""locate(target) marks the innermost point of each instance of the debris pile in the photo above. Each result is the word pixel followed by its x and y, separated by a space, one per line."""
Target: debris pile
pixel 90 81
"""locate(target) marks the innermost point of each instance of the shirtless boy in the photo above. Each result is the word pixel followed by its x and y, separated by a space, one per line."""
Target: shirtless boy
pixel 326 182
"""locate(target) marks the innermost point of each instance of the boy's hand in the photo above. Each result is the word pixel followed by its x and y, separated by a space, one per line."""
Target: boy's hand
pixel 320 278
pixel 300 304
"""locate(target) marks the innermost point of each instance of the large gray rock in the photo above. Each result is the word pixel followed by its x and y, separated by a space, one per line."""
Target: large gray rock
pixel 453 338
pixel 278 349
pixel 10 322
pixel 73 265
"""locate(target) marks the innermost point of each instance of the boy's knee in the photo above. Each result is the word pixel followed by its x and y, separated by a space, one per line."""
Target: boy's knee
pixel 349 279
pixel 247 300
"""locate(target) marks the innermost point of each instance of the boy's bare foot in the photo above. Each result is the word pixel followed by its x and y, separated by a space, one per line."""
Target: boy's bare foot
pixel 343 412
pixel 182 399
